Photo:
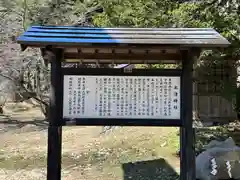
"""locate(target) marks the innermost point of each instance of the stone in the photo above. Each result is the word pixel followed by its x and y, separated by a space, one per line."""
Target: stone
pixel 228 143
pixel 212 163
pixel 225 169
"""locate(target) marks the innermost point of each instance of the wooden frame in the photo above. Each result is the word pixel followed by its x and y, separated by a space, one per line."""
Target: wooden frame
pixel 114 121
pixel 56 121
pixel 54 130
pixel 114 46
pixel 187 134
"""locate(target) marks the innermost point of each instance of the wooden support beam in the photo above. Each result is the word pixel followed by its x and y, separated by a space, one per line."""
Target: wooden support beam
pixel 119 56
pixel 54 153
pixel 187 141
pixel 112 61
pixel 55 117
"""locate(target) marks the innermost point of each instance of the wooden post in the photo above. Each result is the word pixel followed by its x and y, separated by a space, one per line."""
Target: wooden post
pixel 55 117
pixel 187 139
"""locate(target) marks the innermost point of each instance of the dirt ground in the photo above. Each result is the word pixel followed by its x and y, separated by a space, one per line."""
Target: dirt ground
pixel 87 154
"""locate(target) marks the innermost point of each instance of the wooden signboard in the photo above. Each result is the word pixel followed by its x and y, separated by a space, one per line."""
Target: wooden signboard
pixel 121 97
pixel 105 97
pixel 116 97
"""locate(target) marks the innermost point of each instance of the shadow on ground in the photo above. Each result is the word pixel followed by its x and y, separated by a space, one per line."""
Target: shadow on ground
pixel 158 169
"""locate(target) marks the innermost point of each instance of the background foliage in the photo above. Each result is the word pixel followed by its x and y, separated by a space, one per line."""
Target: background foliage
pixel 17 15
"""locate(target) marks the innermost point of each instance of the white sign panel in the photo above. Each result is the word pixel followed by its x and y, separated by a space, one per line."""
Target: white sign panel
pixel 121 97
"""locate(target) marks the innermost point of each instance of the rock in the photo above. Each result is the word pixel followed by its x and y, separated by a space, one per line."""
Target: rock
pixel 228 143
pixel 212 163
pixel 31 102
pixel 107 129
pixel 225 169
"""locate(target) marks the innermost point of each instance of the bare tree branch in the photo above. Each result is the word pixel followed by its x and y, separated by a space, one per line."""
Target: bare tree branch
pixel 8 77
pixel 24 14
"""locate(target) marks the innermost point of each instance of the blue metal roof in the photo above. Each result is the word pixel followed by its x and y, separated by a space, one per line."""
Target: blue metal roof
pixel 72 36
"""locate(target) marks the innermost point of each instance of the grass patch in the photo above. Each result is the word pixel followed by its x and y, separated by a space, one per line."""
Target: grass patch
pixel 22 162
pixel 132 147
pixel 126 153
pixel 106 156
pixel 28 163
